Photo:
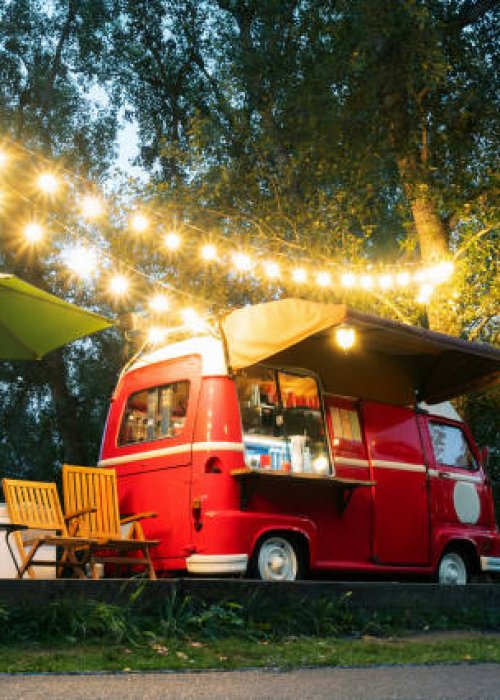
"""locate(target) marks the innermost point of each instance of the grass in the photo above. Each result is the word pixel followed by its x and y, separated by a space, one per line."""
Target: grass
pixel 183 633
pixel 232 653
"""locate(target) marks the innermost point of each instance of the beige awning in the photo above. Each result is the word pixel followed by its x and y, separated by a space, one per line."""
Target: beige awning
pixel 391 362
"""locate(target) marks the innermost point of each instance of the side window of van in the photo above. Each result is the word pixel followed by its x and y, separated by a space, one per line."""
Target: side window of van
pixel 154 413
pixel 450 445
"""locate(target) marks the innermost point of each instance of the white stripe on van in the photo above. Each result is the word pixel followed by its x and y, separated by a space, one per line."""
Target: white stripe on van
pixel 352 462
pixel 402 466
pixel 175 450
pixel 456 477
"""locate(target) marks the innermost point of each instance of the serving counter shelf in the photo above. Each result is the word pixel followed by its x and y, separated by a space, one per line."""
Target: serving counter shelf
pixel 249 480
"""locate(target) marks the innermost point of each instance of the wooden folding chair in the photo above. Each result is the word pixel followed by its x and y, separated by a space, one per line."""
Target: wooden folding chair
pixel 36 505
pixel 95 489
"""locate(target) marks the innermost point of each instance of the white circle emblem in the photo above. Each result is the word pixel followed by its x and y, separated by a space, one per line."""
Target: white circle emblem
pixel 466 502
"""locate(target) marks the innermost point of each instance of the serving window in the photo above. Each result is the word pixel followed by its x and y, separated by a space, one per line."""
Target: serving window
pixel 154 413
pixel 282 422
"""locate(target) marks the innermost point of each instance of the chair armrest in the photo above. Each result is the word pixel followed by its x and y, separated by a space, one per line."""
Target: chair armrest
pixel 80 512
pixel 137 516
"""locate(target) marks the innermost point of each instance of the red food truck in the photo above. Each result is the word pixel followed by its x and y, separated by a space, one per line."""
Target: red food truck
pixel 267 450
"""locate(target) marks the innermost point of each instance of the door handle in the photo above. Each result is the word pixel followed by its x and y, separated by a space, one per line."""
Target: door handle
pixel 445 475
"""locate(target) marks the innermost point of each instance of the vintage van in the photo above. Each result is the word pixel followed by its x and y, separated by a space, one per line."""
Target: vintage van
pixel 267 450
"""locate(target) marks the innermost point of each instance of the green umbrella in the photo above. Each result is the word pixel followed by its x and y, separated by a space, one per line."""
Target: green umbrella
pixel 33 322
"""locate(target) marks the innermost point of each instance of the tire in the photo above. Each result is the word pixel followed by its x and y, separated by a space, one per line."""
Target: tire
pixel 453 570
pixel 276 558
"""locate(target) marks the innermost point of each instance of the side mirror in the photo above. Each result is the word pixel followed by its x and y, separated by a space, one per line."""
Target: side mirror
pixel 484 453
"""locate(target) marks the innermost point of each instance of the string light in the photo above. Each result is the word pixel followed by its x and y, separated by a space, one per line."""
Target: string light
pixel 91 207
pixel 209 252
pixel 366 281
pixel 441 273
pixel 172 241
pixel 403 279
pixel 3 158
pixel 48 183
pixel 272 270
pixel 81 261
pixel 323 279
pixel 299 275
pixel 139 223
pixel 33 233
pixel 348 279
pixel 385 281
pixel 193 320
pixel 159 304
pixel 119 285
pixel 242 262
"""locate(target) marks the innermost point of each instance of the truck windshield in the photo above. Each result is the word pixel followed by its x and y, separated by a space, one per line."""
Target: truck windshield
pixel 283 425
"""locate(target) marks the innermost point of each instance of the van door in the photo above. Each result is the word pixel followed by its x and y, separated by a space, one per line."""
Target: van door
pixel 401 532
pixel 148 441
pixel 459 492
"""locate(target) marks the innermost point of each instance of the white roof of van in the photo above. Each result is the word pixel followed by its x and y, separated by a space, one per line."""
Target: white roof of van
pixel 210 349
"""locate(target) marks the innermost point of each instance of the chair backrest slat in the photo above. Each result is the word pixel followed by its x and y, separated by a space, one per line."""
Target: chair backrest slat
pixel 93 487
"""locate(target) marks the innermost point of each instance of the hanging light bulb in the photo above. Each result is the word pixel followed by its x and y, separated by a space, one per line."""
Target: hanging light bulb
pixel 3 158
pixel 172 241
pixel 299 275
pixel 81 261
pixel 345 337
pixel 272 269
pixel 209 252
pixel 159 303
pixel 33 233
pixel 47 183
pixel 420 276
pixel 403 279
pixel 242 262
pixel 91 207
pixel 119 285
pixel 385 281
pixel 323 279
pixel 139 223
pixel 366 281
pixel 348 279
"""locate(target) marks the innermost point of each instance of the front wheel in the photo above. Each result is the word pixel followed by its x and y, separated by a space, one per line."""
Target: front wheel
pixel 453 570
pixel 277 559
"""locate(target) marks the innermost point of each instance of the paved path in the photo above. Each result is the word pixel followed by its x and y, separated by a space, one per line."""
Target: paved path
pixel 461 682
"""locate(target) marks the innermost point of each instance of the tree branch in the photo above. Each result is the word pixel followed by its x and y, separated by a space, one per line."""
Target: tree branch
pixel 472 12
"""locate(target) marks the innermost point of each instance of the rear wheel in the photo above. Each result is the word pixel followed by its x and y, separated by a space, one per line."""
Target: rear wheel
pixel 453 570
pixel 276 558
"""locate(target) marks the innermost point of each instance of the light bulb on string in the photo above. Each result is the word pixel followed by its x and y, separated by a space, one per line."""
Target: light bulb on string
pixel 48 183
pixel 299 275
pixel 323 279
pixel 3 158
pixel 441 273
pixel 91 207
pixel 403 279
pixel 348 279
pixel 139 223
pixel 33 233
pixel 366 281
pixel 208 252
pixel 159 303
pixel 119 285
pixel 272 269
pixel 81 261
pixel 385 281
pixel 172 241
pixel 242 262
pixel 345 337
